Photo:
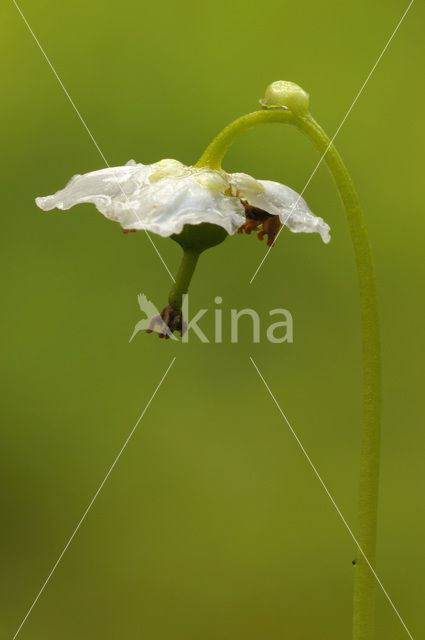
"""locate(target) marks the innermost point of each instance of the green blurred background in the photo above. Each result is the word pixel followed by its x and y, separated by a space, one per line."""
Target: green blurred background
pixel 212 525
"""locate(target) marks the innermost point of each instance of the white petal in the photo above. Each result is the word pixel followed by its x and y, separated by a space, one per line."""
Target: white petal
pixel 280 200
pixel 166 205
pixel 161 197
pixel 100 187
pixel 293 210
pixel 245 186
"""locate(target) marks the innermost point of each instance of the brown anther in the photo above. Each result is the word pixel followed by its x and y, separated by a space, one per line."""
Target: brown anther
pixel 128 230
pixel 271 229
pixel 249 226
pixel 264 222
pixel 169 320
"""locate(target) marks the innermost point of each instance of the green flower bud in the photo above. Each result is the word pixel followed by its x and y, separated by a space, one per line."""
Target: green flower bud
pixel 286 95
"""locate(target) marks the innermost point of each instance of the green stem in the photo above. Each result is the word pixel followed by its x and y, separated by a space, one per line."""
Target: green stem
pixel 183 278
pixel 364 581
pixel 214 153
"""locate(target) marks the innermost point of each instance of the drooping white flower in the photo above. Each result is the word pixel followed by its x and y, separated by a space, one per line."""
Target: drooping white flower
pixel 165 196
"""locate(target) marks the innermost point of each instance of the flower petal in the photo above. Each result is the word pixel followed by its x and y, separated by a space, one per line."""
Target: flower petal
pixel 293 210
pixel 170 203
pixel 107 189
pixel 280 200
pixel 245 186
pixel 161 197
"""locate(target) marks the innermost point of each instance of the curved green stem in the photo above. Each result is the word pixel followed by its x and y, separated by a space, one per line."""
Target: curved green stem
pixel 183 278
pixel 215 152
pixel 364 581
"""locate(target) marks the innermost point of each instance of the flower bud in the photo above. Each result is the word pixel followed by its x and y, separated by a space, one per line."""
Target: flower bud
pixel 282 94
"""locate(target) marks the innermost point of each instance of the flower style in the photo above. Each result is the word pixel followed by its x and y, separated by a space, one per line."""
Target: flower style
pixel 165 196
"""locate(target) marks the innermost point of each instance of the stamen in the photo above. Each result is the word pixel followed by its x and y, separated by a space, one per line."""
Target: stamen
pixel 262 221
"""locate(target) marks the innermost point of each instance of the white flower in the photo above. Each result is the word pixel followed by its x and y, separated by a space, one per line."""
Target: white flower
pixel 165 196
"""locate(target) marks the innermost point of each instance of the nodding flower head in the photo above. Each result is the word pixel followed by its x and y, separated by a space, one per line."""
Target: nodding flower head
pixel 286 95
pixel 198 206
pixel 168 198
